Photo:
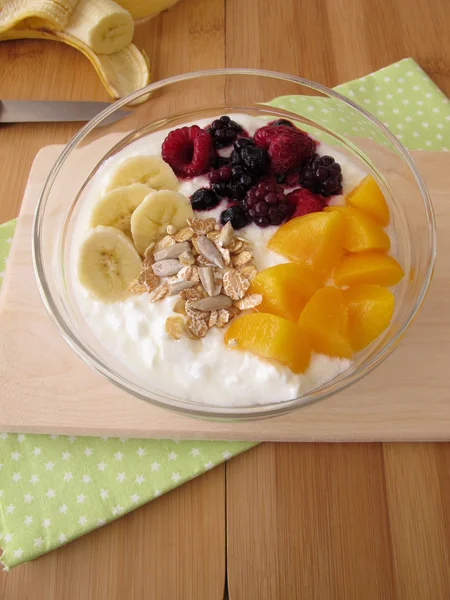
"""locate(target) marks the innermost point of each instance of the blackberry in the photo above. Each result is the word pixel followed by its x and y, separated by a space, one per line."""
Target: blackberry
pixel 250 156
pixel 232 182
pixel 220 161
pixel 285 122
pixel 224 131
pixel 267 204
pixel 322 175
pixel 204 199
pixel 236 215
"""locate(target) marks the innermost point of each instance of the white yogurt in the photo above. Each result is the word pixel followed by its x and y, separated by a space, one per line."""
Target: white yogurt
pixel 205 371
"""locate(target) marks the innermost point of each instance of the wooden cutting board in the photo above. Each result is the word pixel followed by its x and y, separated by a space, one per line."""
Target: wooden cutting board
pixel 46 388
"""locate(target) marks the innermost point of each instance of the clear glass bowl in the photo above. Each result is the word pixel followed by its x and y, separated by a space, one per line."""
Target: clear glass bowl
pixel 330 117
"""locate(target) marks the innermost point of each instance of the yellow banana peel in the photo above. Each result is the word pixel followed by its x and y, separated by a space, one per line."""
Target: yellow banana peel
pixel 84 25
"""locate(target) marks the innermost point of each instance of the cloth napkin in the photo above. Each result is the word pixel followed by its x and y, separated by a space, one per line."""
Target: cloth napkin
pixel 56 488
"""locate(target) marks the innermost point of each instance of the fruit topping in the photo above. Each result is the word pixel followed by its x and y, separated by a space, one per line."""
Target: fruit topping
pixel 236 215
pixel 149 170
pixel 204 199
pixel 188 150
pixel 368 197
pixel 267 204
pixel 322 175
pixel 220 161
pixel 158 210
pixel 272 337
pixel 263 135
pixel 224 131
pixel 315 241
pixel 107 263
pixel 231 182
pixel 250 156
pixel 288 150
pixel 279 122
pixel 361 231
pixel 285 289
pixel 370 309
pixel 368 267
pixel 325 318
pixel 304 202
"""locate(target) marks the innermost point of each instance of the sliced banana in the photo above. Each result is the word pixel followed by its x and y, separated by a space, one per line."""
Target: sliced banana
pixel 107 263
pixel 115 208
pixel 158 210
pixel 150 170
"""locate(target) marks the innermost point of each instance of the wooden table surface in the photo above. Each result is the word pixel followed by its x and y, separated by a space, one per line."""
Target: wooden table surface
pixel 282 521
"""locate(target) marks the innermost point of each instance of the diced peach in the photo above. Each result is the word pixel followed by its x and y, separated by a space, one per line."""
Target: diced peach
pixel 285 289
pixel 370 309
pixel 368 267
pixel 326 321
pixel 314 240
pixel 368 197
pixel 362 233
pixel 272 337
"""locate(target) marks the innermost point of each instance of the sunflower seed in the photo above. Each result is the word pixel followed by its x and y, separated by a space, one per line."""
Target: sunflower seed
pixel 173 251
pixel 209 251
pixel 207 279
pixel 226 235
pixel 186 258
pixel 214 303
pixel 164 268
pixel 179 286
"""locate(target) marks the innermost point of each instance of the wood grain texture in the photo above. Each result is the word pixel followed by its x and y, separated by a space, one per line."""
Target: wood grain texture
pixel 339 522
pixel 57 392
pixel 403 526
pixel 173 547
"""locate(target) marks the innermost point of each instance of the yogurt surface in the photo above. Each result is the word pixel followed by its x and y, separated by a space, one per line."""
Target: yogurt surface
pixel 205 371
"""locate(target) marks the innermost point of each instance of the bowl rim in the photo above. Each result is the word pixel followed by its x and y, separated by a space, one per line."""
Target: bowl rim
pixel 185 406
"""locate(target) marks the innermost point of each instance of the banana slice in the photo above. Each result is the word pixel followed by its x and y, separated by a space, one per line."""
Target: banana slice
pixel 158 210
pixel 115 208
pixel 151 170
pixel 107 263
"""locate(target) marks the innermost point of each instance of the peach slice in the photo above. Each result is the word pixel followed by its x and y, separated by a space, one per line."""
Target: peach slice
pixel 326 321
pixel 361 231
pixel 368 197
pixel 314 240
pixel 368 267
pixel 285 289
pixel 370 309
pixel 272 337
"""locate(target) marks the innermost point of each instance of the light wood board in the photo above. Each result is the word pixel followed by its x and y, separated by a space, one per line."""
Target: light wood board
pixel 47 388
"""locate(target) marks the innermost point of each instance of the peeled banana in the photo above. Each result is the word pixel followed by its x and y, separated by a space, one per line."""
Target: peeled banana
pixel 102 25
pixel 158 210
pixel 116 207
pixel 88 26
pixel 107 264
pixel 150 170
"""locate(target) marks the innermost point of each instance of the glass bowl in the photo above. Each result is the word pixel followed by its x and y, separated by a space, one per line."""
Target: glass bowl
pixel 329 116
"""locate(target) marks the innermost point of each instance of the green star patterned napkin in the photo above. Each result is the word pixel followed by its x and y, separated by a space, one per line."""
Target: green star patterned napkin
pixel 55 488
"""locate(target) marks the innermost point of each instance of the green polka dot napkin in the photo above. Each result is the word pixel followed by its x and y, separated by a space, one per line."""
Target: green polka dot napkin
pixel 56 488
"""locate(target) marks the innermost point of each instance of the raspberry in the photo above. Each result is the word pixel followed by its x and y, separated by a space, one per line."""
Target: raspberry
pixel 188 150
pixel 267 204
pixel 224 131
pixel 303 202
pixel 322 175
pixel 204 199
pixel 236 215
pixel 263 135
pixel 288 151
